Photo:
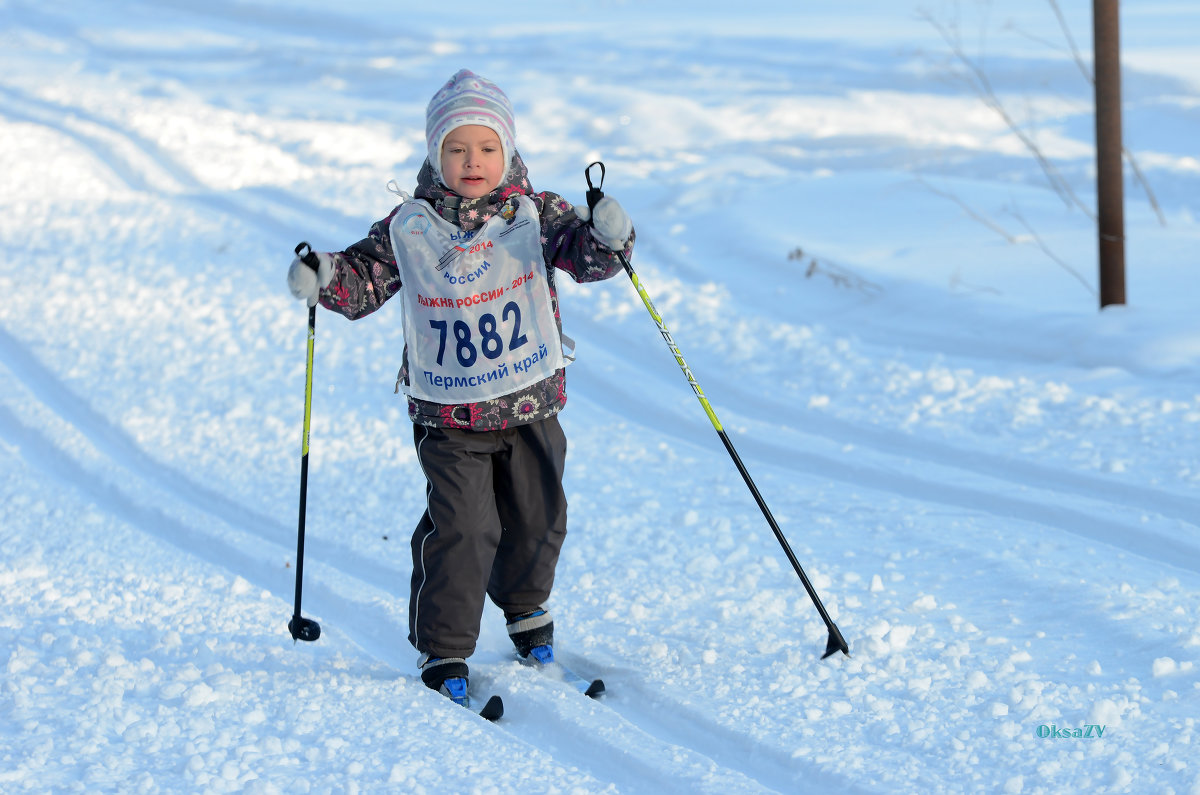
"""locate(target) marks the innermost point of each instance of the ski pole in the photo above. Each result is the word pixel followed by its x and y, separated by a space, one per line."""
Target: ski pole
pixel 836 642
pixel 305 628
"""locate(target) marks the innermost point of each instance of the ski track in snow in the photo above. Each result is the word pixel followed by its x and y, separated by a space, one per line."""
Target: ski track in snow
pixel 639 728
pixel 946 554
pixel 144 168
pixel 992 482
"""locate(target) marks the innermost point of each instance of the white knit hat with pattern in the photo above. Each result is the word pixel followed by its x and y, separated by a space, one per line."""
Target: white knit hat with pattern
pixel 465 99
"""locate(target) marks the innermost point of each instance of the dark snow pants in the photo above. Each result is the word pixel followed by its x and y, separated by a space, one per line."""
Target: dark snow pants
pixel 494 523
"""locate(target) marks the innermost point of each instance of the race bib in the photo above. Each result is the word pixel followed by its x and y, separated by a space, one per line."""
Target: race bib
pixel 478 319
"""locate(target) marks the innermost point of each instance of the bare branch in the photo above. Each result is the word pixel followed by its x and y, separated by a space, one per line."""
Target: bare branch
pixel 1141 178
pixel 957 282
pixel 1046 250
pixel 1062 23
pixel 969 211
pixel 979 81
pixel 1010 238
pixel 840 276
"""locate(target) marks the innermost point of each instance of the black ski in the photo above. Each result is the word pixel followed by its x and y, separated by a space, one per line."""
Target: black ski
pixel 455 689
pixel 543 657
pixel 493 710
pixel 592 688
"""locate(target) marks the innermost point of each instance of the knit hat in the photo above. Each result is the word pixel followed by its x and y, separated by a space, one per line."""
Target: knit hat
pixel 468 98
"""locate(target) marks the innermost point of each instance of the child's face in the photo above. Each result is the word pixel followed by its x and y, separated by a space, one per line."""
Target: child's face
pixel 472 161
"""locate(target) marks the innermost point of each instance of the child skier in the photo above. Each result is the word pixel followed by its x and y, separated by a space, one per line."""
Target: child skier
pixel 472 258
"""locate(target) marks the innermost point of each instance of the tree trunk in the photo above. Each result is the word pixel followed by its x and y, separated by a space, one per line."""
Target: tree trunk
pixel 1110 191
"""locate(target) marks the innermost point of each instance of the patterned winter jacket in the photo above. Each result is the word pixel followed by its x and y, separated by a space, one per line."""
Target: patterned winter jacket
pixel 366 275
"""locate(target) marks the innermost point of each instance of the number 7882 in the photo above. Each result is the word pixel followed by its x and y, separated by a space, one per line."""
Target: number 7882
pixel 491 343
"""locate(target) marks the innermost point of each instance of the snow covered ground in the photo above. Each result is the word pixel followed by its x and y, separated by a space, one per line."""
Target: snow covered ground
pixel 994 486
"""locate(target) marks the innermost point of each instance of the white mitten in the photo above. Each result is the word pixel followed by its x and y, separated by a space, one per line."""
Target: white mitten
pixel 305 283
pixel 611 225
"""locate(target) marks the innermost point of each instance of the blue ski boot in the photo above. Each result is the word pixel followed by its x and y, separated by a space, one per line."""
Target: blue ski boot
pixel 447 675
pixel 533 635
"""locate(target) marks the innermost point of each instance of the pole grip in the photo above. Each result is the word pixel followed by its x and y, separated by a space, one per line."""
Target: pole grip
pixel 594 192
pixel 309 257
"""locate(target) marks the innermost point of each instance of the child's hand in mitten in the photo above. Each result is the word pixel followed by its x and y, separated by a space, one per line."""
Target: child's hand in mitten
pixel 306 283
pixel 611 225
